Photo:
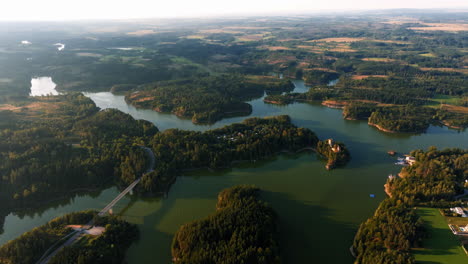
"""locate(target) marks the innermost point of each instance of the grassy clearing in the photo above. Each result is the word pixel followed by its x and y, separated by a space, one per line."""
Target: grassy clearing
pixel 379 59
pixel 446 99
pixel 442 246
pixel 361 77
pixel 429 54
pixel 179 61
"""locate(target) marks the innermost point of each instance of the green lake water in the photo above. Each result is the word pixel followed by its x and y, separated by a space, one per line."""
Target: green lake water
pixel 319 210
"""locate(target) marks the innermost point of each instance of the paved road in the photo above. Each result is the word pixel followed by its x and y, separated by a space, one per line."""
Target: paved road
pixel 67 243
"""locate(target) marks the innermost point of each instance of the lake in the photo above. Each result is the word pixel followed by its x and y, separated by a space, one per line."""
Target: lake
pixel 41 86
pixel 319 210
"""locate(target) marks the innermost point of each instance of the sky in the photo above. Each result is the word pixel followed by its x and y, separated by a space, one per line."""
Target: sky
pixel 127 9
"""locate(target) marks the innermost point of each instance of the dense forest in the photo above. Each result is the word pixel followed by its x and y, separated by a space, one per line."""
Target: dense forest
pixel 243 229
pixel 434 180
pixel 253 139
pixel 109 247
pixel 206 99
pixel 56 145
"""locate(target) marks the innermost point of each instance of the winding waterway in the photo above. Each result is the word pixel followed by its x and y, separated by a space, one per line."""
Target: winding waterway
pixel 319 210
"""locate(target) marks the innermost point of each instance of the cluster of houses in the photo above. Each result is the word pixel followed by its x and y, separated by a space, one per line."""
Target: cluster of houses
pixel 237 135
pixel 459 211
pixel 334 147
pixel 408 160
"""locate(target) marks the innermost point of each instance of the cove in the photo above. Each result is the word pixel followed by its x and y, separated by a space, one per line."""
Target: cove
pixel 319 210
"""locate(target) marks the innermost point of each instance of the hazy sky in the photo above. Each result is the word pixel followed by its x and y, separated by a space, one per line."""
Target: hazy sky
pixel 104 9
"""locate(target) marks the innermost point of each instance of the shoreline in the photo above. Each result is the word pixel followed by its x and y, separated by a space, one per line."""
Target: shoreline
pixel 382 129
pixel 69 194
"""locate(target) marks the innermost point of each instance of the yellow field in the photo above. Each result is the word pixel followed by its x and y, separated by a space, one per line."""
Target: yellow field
pixel 455 108
pixel 441 27
pixel 361 77
pixel 345 39
pixel 379 59
pixel 194 37
pixel 275 48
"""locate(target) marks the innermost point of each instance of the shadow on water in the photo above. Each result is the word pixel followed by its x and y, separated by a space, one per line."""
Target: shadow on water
pixel 311 227
pixel 197 173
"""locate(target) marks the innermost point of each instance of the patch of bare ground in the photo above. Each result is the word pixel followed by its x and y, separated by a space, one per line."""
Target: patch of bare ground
pixel 143 99
pixel 361 77
pixel 391 41
pixel 379 59
pixel 335 104
pixel 344 39
pixel 455 108
pixel 342 49
pixel 464 71
pixel 35 106
pixel 9 107
pixel 275 48
pixel 441 27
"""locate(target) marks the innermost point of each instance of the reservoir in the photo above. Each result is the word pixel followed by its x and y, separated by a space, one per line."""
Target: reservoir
pixel 319 210
pixel 41 86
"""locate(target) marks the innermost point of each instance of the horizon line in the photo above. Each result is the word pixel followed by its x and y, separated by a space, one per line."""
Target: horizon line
pixel 239 15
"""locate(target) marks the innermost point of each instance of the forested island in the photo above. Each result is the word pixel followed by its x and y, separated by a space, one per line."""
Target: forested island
pixel 108 247
pixel 395 228
pixel 336 153
pixel 206 99
pixel 243 229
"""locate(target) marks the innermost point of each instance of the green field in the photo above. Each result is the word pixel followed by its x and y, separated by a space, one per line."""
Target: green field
pixel 441 246
pixel 438 99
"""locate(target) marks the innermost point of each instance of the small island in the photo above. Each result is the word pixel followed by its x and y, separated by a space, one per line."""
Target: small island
pixel 243 229
pixel 336 153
